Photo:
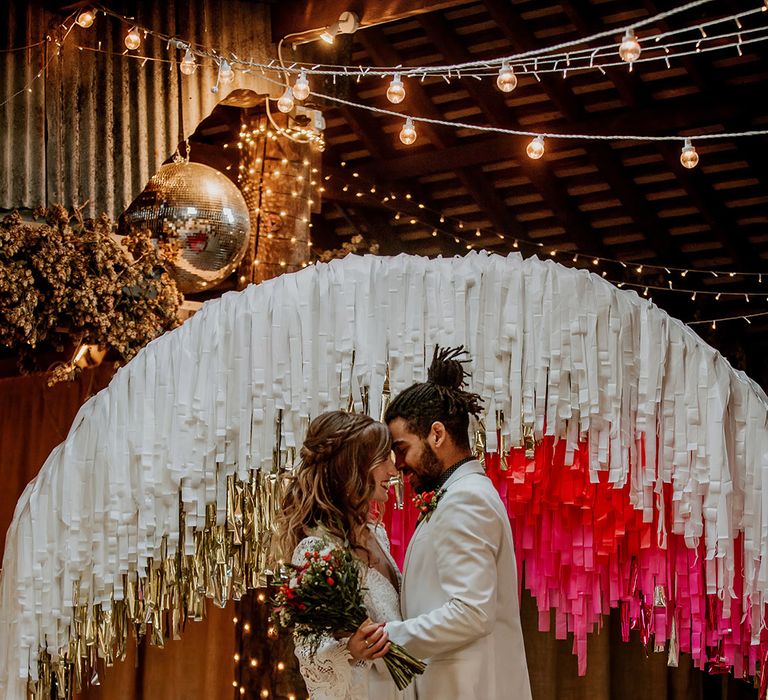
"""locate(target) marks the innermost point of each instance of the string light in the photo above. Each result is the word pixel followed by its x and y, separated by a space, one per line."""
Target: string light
pixel 535 148
pixel 630 47
pixel 301 87
pixel 739 317
pixel 689 158
pixel 85 18
pixel 432 70
pixel 507 80
pixel 396 90
pixel 477 68
pixel 408 132
pixel 595 260
pixel 226 74
pixel 188 64
pixel 132 39
pixel 285 104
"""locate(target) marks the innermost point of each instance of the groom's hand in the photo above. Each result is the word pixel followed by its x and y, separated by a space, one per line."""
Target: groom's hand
pixel 369 642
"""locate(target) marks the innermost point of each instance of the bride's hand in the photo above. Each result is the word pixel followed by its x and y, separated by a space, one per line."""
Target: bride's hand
pixel 370 641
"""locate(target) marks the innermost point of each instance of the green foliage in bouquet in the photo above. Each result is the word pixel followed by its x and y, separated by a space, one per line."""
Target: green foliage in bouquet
pixel 68 280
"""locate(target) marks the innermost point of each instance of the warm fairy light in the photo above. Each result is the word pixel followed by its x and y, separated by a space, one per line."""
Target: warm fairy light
pixel 630 47
pixel 242 690
pixel 254 663
pixel 226 74
pixel 188 64
pixel 247 627
pixel 132 39
pixel 236 657
pixel 507 80
pixel 234 684
pixel 285 103
pixel 535 149
pixel 264 693
pixel 688 157
pixel 234 619
pixel 408 132
pixel 85 19
pixel 301 86
pixel 396 90
pixel 280 666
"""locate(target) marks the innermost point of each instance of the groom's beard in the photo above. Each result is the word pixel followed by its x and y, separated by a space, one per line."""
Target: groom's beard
pixel 427 471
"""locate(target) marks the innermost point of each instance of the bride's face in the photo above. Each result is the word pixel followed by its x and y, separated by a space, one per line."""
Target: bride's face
pixel 381 473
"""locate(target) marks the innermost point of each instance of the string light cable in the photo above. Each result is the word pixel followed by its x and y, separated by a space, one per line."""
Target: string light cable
pixel 400 203
pixel 489 66
pixel 741 317
pixel 70 20
pixel 637 267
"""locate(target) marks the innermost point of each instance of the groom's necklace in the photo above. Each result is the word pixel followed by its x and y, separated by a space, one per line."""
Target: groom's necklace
pixel 440 481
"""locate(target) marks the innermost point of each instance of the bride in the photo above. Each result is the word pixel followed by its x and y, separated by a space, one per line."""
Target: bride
pixel 346 464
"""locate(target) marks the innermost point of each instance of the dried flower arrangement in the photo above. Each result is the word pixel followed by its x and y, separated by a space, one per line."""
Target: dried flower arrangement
pixel 69 281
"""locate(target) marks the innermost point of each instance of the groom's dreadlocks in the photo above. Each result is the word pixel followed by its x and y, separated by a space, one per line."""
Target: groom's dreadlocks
pixel 441 398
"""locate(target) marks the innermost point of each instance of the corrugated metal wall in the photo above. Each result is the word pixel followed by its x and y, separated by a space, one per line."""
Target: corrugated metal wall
pixel 98 125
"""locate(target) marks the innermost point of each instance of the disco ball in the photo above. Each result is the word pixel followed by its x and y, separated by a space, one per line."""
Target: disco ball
pixel 200 209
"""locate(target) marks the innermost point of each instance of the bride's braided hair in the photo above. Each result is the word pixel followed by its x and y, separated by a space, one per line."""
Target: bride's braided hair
pixel 332 487
pixel 441 398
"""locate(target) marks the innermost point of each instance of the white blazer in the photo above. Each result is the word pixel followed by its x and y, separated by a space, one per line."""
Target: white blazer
pixel 459 598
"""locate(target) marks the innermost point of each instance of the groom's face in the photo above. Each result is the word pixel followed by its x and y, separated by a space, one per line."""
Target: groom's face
pixel 414 456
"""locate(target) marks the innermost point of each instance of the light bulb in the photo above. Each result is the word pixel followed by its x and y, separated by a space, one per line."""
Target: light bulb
pixel 188 64
pixel 285 103
pixel 630 47
pixel 507 80
pixel 226 74
pixel 301 87
pixel 689 158
pixel 396 91
pixel 408 132
pixel 85 18
pixel 132 40
pixel 535 148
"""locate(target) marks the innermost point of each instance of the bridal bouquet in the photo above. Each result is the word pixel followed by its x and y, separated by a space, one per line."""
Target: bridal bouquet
pixel 324 597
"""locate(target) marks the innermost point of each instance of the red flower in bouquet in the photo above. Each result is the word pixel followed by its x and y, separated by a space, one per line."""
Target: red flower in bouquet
pixel 426 502
pixel 324 597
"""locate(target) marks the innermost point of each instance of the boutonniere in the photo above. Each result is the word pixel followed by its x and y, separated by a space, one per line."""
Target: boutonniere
pixel 426 502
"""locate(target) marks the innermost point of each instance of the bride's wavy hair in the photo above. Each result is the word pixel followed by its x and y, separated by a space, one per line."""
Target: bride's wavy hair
pixel 332 486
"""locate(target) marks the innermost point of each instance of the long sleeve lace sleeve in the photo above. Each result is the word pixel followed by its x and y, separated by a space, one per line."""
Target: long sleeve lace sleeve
pixel 328 673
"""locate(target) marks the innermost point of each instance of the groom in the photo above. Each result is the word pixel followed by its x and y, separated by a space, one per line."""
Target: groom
pixel 459 591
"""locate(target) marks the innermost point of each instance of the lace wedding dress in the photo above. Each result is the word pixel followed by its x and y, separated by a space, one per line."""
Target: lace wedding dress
pixel 331 673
